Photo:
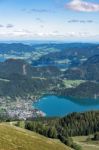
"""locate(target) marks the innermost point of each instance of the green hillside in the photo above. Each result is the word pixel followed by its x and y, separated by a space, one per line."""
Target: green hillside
pixel 86 143
pixel 13 138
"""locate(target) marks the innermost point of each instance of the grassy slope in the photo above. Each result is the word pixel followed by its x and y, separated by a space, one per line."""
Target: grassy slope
pixel 13 138
pixel 86 145
pixel 72 83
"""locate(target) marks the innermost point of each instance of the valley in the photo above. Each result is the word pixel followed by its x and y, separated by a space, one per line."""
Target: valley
pixel 22 83
pixel 36 93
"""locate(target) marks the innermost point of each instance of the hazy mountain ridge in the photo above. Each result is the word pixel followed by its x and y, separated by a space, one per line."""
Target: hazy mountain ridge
pixel 89 70
pixel 73 54
pixel 62 55
pixel 18 78
pixel 18 66
pixel 24 77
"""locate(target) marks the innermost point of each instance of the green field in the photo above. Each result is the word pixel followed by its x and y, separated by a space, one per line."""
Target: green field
pixel 86 144
pixel 14 138
pixel 72 83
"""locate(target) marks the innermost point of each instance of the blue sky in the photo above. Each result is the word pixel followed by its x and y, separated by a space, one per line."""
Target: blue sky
pixel 69 20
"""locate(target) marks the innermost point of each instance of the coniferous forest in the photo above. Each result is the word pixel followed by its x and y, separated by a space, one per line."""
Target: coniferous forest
pixel 75 124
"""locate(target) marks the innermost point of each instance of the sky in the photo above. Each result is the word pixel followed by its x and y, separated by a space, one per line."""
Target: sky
pixel 66 20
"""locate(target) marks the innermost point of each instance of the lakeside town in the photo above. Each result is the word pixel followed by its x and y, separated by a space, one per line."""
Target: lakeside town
pixel 20 109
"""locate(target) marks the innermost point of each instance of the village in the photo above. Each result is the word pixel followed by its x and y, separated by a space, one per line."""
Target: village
pixel 20 109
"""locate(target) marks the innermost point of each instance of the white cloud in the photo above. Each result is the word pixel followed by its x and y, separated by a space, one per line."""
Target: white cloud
pixel 81 5
pixel 29 34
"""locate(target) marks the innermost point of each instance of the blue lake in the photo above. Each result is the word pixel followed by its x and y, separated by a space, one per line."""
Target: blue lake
pixel 59 106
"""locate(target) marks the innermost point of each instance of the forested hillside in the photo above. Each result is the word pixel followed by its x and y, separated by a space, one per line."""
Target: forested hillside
pixel 75 124
pixel 12 138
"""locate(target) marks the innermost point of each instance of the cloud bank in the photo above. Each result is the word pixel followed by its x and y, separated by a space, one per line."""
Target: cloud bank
pixel 83 6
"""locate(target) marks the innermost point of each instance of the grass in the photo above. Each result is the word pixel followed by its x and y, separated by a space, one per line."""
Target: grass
pixel 72 83
pixel 86 144
pixel 14 138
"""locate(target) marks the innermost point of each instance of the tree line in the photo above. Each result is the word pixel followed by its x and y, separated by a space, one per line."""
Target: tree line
pixel 75 124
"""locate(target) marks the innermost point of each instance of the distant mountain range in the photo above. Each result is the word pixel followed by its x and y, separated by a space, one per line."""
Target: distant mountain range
pixel 62 55
pixel 70 55
pixel 19 78
pixel 89 70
